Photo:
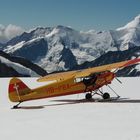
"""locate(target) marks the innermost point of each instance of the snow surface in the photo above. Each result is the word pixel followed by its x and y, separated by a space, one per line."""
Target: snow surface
pixel 47 119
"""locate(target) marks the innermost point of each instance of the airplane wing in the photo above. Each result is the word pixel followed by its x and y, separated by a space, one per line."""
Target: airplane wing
pixel 87 72
pixel 57 76
pixel 108 67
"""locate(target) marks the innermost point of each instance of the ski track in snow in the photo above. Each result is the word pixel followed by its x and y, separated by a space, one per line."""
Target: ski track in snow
pixel 47 119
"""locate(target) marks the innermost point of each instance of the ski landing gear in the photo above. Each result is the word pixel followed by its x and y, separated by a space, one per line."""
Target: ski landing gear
pixel 105 96
pixel 88 96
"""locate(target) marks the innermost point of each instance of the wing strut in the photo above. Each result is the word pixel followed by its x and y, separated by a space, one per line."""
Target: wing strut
pixel 118 96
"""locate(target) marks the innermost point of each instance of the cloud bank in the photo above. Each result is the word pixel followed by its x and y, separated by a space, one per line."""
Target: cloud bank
pixel 8 32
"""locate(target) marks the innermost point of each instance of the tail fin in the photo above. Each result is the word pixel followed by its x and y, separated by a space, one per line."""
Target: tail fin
pixel 17 89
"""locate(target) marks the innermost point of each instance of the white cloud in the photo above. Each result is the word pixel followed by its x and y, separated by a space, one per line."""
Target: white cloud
pixel 8 32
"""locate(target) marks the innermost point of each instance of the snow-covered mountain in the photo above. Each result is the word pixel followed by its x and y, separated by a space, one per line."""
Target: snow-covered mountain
pixel 63 48
pixel 16 66
pixel 82 46
pixel 129 35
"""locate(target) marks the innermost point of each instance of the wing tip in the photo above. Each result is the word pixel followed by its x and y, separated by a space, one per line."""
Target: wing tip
pixel 131 62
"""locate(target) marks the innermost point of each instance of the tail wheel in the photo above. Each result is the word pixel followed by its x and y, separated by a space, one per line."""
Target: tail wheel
pixel 106 96
pixel 88 96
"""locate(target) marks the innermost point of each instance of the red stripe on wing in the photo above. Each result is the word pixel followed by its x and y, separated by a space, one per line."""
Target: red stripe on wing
pixel 131 62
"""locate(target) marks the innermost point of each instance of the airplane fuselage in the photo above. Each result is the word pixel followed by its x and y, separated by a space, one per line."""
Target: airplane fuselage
pixel 67 87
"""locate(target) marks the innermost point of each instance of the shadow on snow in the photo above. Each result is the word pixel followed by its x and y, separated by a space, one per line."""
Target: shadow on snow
pixel 72 101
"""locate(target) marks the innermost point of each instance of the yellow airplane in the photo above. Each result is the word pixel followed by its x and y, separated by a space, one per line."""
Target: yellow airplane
pixel 87 81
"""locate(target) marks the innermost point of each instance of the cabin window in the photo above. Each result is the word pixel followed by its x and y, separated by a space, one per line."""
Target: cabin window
pixel 78 80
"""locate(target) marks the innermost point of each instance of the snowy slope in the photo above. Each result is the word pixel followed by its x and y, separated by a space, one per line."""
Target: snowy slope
pixel 46 119
pixel 20 69
pixel 14 66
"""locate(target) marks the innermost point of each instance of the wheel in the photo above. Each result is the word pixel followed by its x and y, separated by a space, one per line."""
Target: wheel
pixel 88 96
pixel 106 96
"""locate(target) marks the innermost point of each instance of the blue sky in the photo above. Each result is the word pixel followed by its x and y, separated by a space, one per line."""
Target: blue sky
pixel 79 14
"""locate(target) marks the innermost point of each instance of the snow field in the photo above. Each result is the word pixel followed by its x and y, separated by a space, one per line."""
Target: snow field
pixel 47 119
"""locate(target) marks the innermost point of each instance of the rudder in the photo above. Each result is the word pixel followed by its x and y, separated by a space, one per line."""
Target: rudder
pixel 17 89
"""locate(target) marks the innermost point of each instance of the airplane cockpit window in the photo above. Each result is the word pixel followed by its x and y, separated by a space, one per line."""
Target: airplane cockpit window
pixel 78 80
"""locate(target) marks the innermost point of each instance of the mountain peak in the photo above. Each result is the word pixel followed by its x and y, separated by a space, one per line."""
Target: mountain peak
pixel 132 24
pixel 137 17
pixel 63 27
